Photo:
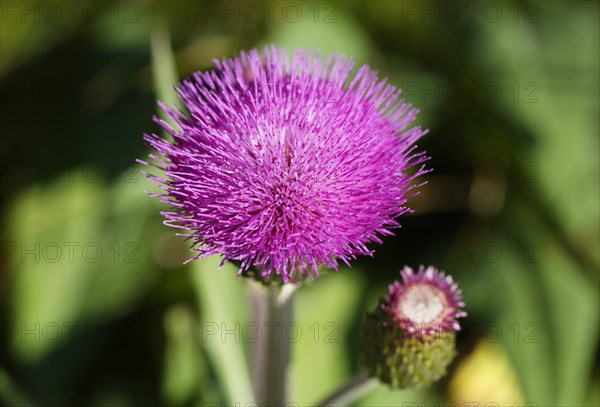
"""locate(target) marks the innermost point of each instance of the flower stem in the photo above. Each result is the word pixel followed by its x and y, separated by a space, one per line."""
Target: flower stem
pixel 273 312
pixel 352 390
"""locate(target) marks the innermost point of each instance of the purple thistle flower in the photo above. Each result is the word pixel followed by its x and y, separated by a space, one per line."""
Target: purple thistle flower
pixel 285 165
pixel 425 303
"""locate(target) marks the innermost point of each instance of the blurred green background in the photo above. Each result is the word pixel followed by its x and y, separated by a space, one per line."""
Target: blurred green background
pixel 96 307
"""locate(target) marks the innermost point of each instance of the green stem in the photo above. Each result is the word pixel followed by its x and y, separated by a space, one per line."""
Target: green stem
pixel 164 69
pixel 352 390
pixel 273 314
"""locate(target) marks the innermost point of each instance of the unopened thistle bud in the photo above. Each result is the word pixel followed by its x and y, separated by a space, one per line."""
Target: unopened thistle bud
pixel 409 340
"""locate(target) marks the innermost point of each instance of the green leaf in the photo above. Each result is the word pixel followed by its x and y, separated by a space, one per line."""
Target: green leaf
pixel 324 316
pixel 79 253
pixel 184 361
pixel 574 311
pixel 164 70
pixel 223 302
pixel 564 164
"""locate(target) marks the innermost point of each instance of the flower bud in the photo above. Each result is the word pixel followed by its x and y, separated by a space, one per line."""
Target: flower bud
pixel 409 340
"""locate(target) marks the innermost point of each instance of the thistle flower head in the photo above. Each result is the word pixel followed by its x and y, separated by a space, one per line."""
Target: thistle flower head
pixel 409 340
pixel 286 164
pixel 425 302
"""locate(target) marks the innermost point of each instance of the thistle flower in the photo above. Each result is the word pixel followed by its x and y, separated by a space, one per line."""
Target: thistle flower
pixel 424 303
pixel 285 166
pixel 409 340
